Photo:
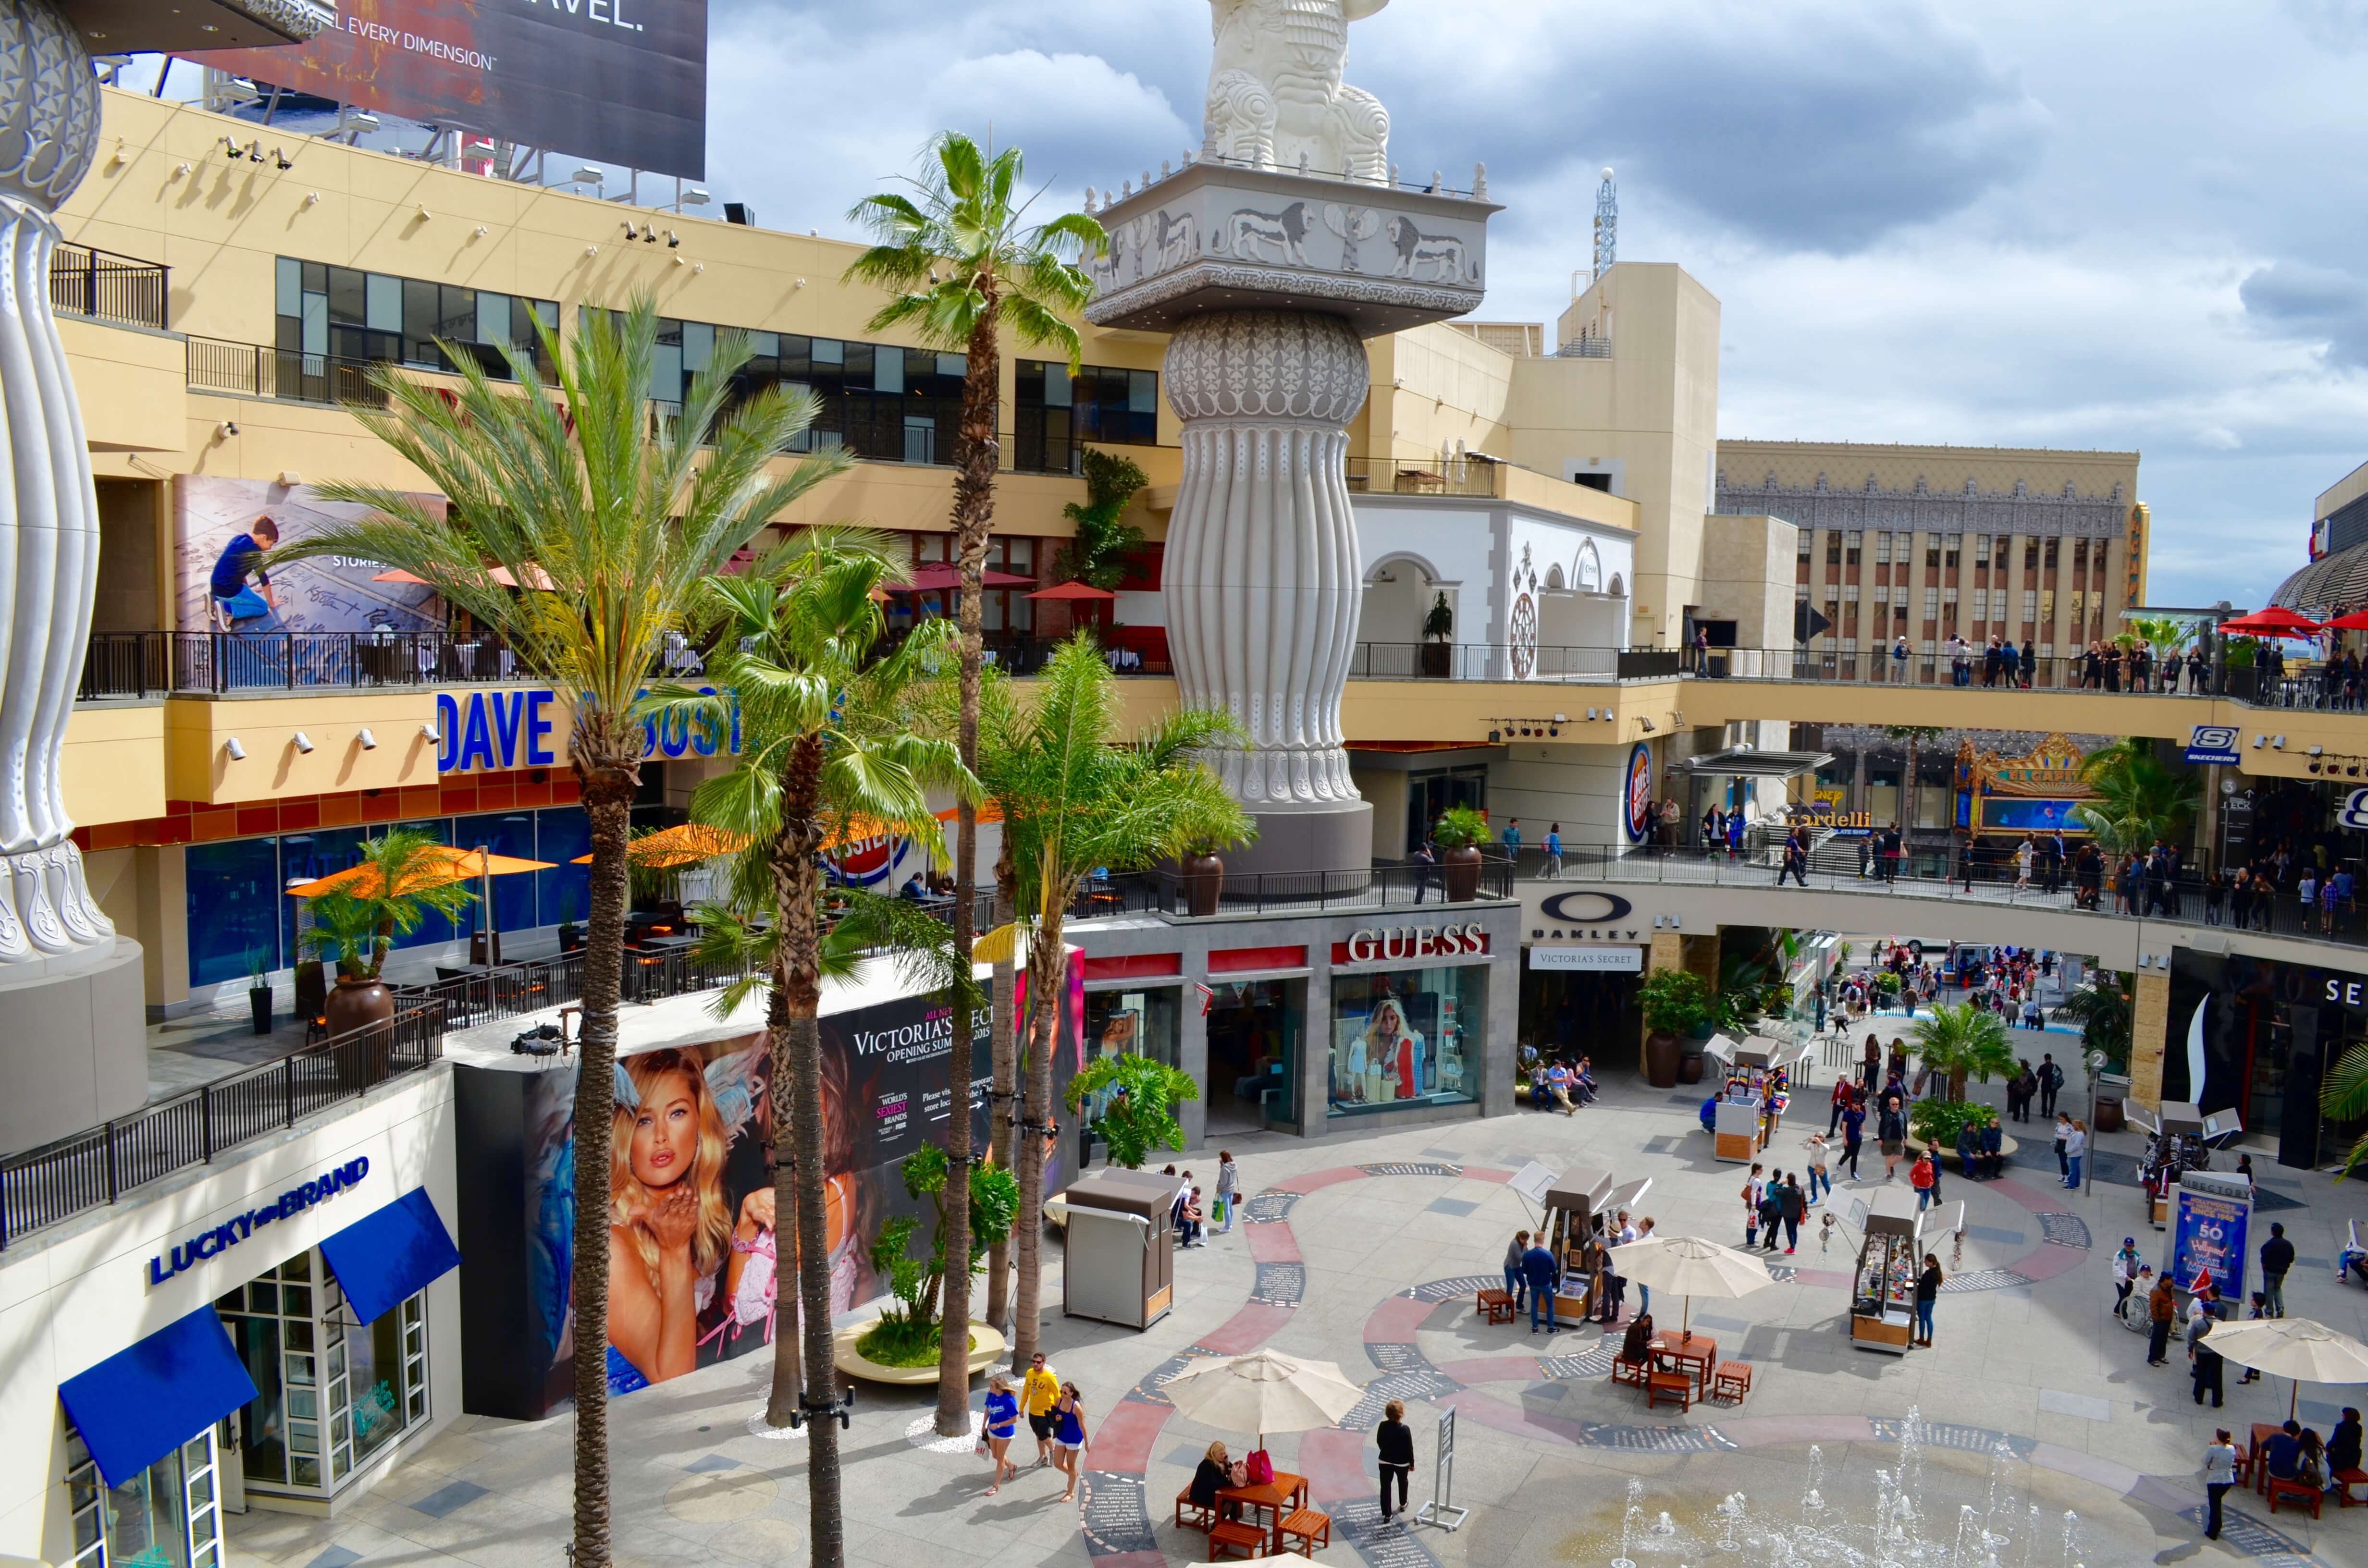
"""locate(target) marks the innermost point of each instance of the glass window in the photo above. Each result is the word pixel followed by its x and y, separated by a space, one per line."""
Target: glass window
pixel 1254 1031
pixel 1932 551
pixel 1883 549
pixel 1148 1022
pixel 512 834
pixel 287 286
pixel 1853 546
pixel 2029 605
pixel 2052 545
pixel 1806 536
pixel 385 312
pixel 304 857
pixel 698 347
pixel 888 372
pixel 564 892
pixel 1931 604
pixel 1833 547
pixel 233 908
pixel 1406 1036
pixel 1956 548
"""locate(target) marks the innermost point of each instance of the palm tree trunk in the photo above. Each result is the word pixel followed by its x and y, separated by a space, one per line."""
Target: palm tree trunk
pixel 976 453
pixel 1044 991
pixel 1004 1058
pixel 787 1363
pixel 608 771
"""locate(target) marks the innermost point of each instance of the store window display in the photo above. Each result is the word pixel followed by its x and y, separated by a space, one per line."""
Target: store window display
pixel 1400 1038
pixel 165 1516
pixel 1148 1022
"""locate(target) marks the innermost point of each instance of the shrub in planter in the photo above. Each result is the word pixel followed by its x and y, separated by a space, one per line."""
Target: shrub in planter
pixel 1937 1122
pixel 1458 833
pixel 1675 1001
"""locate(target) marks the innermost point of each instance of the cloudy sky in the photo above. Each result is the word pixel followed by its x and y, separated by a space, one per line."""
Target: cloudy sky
pixel 2017 222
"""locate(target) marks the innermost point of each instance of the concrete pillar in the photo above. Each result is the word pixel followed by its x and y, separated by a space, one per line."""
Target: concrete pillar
pixel 1192 1060
pixel 161 894
pixel 2149 1037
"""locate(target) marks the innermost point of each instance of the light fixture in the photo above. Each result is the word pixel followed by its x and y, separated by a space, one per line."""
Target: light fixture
pixel 302 741
pixel 291 476
pixel 1647 723
pixel 312 199
pixel 369 741
pixel 483 231
pixel 226 430
pixel 1561 719
pixel 674 240
pixel 694 195
pixel 281 160
pixel 2277 743
pixel 427 732
pixel 591 250
pixel 631 232
pixel 2260 741
pixel 2317 751
pixel 424 212
pixel 1494 737
pixel 230 145
pixel 697 268
pixel 234 751
pixel 587 175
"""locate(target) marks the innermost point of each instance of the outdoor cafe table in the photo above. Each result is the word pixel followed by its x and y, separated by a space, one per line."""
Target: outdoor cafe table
pixel 1286 1490
pixel 1696 1356
pixel 2257 1457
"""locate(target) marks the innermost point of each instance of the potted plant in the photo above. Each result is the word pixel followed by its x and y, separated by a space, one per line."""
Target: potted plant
pixel 1459 833
pixel 258 989
pixel 1674 1002
pixel 1203 867
pixel 1438 637
pixel 402 879
pixel 571 935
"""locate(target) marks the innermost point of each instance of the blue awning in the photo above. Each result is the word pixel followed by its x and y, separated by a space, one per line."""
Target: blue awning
pixel 139 1404
pixel 393 1254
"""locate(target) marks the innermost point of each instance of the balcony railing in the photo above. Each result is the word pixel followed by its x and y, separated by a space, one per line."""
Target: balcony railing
pixel 2301 687
pixel 1414 476
pixel 106 287
pixel 130 664
pixel 1171 895
pixel 257 370
pixel 1507 662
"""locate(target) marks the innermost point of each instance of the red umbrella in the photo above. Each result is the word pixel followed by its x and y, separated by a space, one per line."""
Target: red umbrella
pixel 2274 622
pixel 2356 621
pixel 1072 591
pixel 937 578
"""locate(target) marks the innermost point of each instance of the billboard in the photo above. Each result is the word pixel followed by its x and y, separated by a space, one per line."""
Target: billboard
pixel 210 517
pixel 621 81
pixel 698 1275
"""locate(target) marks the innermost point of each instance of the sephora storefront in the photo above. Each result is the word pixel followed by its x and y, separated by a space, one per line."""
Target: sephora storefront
pixel 268 1334
pixel 2261 1035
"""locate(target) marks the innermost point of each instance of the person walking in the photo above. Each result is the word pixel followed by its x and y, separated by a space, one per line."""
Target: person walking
pixel 1927 1292
pixel 1796 1208
pixel 1538 1268
pixel 1853 1128
pixel 1229 1188
pixel 1516 1279
pixel 1922 1178
pixel 1891 1130
pixel 2076 1144
pixel 1841 1103
pixel 2219 1474
pixel 2051 1079
pixel 1393 1439
pixel 2162 1310
pixel 1000 1425
pixel 1554 850
pixel 1069 1437
pixel 1039 1391
pixel 2277 1260
pixel 1817 1174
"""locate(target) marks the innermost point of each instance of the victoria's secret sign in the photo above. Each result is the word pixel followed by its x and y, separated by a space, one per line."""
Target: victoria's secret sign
pixel 1390 944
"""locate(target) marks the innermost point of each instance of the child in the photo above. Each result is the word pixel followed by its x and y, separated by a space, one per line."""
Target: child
pixel 1826 1228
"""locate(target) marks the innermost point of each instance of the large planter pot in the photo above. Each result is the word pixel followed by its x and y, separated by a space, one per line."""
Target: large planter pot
pixel 1436 659
pixel 1462 871
pixel 987 1348
pixel 2110 1118
pixel 360 1005
pixel 258 1002
pixel 1661 1061
pixel 1690 1068
pixel 1204 884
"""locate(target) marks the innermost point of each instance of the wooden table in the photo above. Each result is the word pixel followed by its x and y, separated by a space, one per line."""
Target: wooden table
pixel 2262 1432
pixel 1696 1356
pixel 1284 1493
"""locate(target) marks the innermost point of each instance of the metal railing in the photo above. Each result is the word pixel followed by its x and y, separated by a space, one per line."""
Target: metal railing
pixel 1176 896
pixel 1993 878
pixel 258 371
pixel 118 664
pixel 1507 662
pixel 106 287
pixel 91 1169
pixel 1405 476
pixel 1881 666
pixel 1585 348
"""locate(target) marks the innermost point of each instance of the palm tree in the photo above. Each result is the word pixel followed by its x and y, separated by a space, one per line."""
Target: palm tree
pixel 1961 1040
pixel 1076 796
pixel 2103 1009
pixel 2138 800
pixel 962 261
pixel 623 518
pixel 826 756
pixel 2344 1097
pixel 406 876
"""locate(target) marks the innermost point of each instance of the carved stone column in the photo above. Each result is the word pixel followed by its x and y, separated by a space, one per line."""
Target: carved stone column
pixel 49 511
pixel 1260 577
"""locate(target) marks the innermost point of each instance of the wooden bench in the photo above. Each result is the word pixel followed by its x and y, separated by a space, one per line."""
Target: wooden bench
pixel 2300 1492
pixel 1497 1306
pixel 1232 1534
pixel 1731 1381
pixel 1630 1372
pixel 2345 1479
pixel 1310 1527
pixel 1203 1516
pixel 1678 1386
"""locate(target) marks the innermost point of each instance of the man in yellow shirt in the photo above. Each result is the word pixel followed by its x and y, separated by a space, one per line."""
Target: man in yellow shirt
pixel 1039 1391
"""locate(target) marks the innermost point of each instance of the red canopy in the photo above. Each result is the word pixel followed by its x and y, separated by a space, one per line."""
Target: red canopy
pixel 938 578
pixel 2356 621
pixel 1072 591
pixel 2274 622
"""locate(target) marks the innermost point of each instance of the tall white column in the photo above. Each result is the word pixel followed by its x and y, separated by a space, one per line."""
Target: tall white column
pixel 49 510
pixel 1261 578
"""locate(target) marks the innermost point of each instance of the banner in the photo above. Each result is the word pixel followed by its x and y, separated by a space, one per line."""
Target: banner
pixel 2209 1233
pixel 215 524
pixel 620 80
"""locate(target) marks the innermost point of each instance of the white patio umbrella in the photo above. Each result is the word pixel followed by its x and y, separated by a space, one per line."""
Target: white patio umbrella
pixel 2291 1347
pixel 1262 1392
pixel 1691 1267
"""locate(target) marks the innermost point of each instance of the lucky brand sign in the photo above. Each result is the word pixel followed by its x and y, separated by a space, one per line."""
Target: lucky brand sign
pixel 239 1227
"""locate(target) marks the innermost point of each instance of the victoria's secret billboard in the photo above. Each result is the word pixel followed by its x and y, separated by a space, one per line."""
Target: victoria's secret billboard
pixel 622 81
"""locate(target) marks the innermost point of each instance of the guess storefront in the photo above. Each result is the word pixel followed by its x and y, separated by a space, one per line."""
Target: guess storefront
pixel 1410 1009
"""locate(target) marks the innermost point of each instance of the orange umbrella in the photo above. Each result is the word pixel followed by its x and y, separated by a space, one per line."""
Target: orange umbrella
pixel 988 811
pixel 438 865
pixel 537 578
pixel 1071 591
pixel 684 843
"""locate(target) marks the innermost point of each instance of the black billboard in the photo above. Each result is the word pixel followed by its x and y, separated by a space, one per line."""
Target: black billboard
pixel 619 81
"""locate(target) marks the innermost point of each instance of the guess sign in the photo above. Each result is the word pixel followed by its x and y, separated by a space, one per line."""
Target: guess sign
pixel 1397 942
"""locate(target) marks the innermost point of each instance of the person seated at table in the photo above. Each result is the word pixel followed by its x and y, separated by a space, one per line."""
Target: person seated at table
pixel 1214 1474
pixel 2343 1448
pixel 913 891
pixel 2282 1453
pixel 1636 1345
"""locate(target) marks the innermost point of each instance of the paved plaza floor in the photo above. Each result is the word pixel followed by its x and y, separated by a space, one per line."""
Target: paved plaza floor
pixel 1366 1252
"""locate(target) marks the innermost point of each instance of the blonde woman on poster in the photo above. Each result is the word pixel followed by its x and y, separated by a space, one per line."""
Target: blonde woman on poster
pixel 1386 1051
pixel 669 1225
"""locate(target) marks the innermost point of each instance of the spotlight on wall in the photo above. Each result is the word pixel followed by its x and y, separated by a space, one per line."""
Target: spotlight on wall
pixel 2260 741
pixel 674 240
pixel 1649 725
pixel 429 733
pixel 369 741
pixel 303 743
pixel 234 751
pixel 1562 718
pixel 2277 743
pixel 1495 737
pixel 281 160
pixel 630 232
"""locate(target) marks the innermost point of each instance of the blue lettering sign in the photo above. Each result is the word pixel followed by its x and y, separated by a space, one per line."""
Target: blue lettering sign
pixel 476 739
pixel 239 1227
pixel 447 732
pixel 506 722
pixel 537 730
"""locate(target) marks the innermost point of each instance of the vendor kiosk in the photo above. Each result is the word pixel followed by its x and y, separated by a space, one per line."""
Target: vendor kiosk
pixel 2176 1120
pixel 1754 1097
pixel 1883 1288
pixel 1581 1206
pixel 1119 1264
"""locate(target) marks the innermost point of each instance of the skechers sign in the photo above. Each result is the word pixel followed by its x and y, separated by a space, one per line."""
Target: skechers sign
pixel 238 1227
pixel 493 731
pixel 2213 743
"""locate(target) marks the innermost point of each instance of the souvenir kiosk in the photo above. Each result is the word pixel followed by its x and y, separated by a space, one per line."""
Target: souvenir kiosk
pixel 1580 1208
pixel 2178 1122
pixel 1883 1288
pixel 1119 1261
pixel 1756 1093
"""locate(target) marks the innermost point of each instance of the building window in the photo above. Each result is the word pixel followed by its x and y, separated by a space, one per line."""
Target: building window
pixel 1981 550
pixel 1807 536
pixel 1852 546
pixel 1056 412
pixel 1882 593
pixel 2080 612
pixel 2030 552
pixel 2030 606
pixel 2046 607
pixel 1801 592
pixel 1404 1038
pixel 1883 548
pixel 165 1516
pixel 1833 547
pixel 1956 547
pixel 1931 604
pixel 1004 613
pixel 1931 550
pixel 1849 593
pixel 364 317
pixel 2052 545
pixel 1147 1022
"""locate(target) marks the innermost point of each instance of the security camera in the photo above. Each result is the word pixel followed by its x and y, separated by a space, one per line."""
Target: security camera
pixel 302 741
pixel 369 741
pixel 235 752
pixel 227 429
pixel 429 733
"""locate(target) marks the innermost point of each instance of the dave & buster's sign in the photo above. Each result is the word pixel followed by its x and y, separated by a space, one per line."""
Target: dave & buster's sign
pixel 620 80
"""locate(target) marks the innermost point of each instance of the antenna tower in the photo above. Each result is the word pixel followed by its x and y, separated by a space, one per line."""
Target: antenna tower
pixel 1607 225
